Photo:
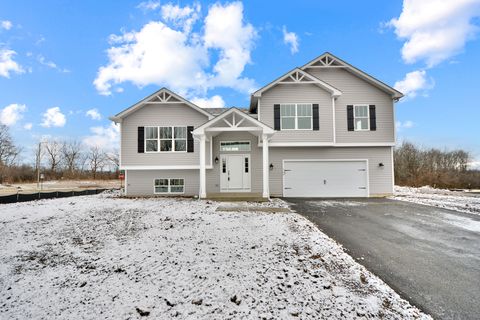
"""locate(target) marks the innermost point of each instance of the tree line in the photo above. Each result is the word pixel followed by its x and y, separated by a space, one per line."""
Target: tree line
pixel 416 166
pixel 55 159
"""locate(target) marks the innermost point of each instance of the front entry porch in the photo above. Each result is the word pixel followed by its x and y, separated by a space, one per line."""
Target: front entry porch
pixel 235 158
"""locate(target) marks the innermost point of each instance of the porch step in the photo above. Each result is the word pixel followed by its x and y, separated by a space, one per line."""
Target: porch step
pixel 237 196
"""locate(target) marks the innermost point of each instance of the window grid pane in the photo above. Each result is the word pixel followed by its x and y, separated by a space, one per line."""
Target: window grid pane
pixel 235 146
pixel 151 145
pixel 151 133
pixel 165 132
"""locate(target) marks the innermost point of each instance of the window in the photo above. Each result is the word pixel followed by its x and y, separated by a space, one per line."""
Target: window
pixel 296 116
pixel 246 164
pixel 165 139
pixel 361 117
pixel 169 185
pixel 235 146
pixel 151 139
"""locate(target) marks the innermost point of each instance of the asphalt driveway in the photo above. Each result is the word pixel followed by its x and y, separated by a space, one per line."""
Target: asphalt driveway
pixel 430 256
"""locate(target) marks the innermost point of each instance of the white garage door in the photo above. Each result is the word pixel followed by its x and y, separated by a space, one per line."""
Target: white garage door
pixel 328 179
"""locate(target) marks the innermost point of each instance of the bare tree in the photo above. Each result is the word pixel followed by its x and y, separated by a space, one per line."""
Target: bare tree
pixel 114 158
pixel 71 153
pixel 8 151
pixel 96 160
pixel 53 150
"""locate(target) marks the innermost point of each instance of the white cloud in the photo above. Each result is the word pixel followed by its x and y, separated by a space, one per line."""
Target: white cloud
pixel 290 39
pixel 7 64
pixel 214 102
pixel 41 59
pixel 178 58
pixel 12 113
pixel 183 17
pixel 435 30
pixel 149 5
pixel 226 31
pixel 6 24
pixel 104 137
pixel 404 125
pixel 53 117
pixel 28 126
pixel 474 165
pixel 414 82
pixel 93 114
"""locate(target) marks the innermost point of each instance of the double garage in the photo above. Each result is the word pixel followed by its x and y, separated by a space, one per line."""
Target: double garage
pixel 325 178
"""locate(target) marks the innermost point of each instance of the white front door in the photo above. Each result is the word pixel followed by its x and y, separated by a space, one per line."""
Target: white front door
pixel 235 172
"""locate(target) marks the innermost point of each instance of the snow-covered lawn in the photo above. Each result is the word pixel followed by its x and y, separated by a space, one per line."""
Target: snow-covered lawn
pixel 453 200
pixel 114 258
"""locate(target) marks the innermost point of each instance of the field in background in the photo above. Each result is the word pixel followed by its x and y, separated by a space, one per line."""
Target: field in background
pixel 58 185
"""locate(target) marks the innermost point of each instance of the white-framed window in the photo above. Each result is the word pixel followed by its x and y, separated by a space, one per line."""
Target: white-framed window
pixel 165 139
pixel 296 116
pixel 361 117
pixel 234 146
pixel 164 185
pixel 151 139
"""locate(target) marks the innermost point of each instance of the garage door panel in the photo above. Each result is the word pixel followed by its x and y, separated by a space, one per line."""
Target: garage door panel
pixel 325 178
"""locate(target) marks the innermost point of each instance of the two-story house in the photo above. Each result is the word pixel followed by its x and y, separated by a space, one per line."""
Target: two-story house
pixel 326 129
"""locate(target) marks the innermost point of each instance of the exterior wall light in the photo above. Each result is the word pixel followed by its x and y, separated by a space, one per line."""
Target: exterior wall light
pixel 216 160
pixel 271 166
pixel 381 165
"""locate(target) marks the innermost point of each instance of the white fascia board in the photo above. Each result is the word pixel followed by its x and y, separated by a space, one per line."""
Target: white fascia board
pixel 167 167
pixel 328 144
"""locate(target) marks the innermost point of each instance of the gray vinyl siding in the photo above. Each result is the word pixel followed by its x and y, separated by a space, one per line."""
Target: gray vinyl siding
pixel 299 93
pixel 358 91
pixel 213 175
pixel 159 115
pixel 140 182
pixel 380 178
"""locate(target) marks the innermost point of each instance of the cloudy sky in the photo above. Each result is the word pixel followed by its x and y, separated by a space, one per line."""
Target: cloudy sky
pixel 66 66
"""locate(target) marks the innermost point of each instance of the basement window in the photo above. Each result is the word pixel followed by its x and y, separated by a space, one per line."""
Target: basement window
pixel 169 186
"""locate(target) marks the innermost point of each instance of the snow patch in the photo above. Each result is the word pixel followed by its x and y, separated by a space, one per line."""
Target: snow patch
pixel 111 257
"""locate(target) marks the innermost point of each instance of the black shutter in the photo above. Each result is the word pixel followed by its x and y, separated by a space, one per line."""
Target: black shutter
pixel 350 120
pixel 141 140
pixel 316 121
pixel 373 118
pixel 190 142
pixel 276 116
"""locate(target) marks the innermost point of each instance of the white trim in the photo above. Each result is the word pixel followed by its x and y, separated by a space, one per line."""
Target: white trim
pixel 334 121
pixel 143 102
pixel 244 155
pixel 313 80
pixel 296 117
pixel 365 144
pixel 125 182
pixel 239 141
pixel 159 139
pixel 158 167
pixel 265 168
pixel 327 160
pixel 393 170
pixel 202 180
pixel 368 117
pixel 206 126
pixel 329 144
pixel 258 110
pixel 225 129
pixel 361 74
pixel 169 192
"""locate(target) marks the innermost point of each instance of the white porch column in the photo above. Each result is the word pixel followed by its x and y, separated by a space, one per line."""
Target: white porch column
pixel 266 168
pixel 203 188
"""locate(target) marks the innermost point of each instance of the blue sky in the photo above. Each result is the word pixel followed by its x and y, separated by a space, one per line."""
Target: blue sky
pixel 59 59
